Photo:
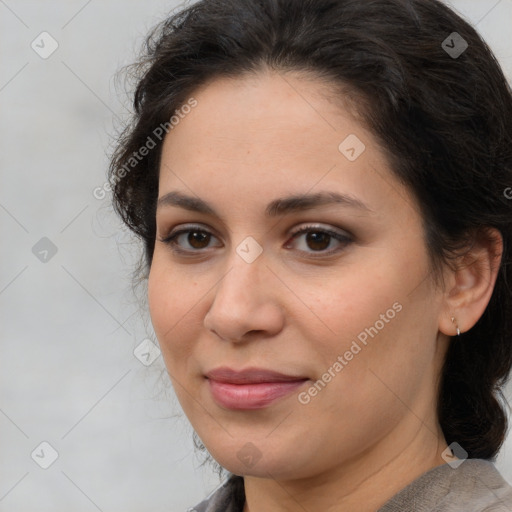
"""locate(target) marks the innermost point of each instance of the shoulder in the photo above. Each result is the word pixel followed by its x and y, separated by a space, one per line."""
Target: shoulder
pixel 474 486
pixel 228 497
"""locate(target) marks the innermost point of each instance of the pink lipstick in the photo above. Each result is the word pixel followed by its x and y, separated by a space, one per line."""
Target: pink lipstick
pixel 253 388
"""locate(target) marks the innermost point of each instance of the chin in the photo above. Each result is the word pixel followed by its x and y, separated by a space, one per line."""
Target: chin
pixel 261 458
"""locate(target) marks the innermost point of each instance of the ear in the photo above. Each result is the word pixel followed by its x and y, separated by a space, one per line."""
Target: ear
pixel 470 282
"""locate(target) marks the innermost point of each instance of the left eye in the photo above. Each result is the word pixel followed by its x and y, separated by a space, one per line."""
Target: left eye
pixel 318 240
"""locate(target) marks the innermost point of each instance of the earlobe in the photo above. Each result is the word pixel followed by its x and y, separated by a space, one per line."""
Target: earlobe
pixel 472 283
pixel 457 330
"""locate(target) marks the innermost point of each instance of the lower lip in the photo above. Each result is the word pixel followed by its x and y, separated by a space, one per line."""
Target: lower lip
pixel 251 396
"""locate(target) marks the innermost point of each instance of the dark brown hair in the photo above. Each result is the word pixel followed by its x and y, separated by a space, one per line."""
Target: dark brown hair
pixel 444 119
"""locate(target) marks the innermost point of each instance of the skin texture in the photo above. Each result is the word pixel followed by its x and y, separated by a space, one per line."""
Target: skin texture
pixel 373 428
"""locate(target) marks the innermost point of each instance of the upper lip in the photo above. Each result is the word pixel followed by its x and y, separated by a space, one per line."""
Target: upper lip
pixel 249 375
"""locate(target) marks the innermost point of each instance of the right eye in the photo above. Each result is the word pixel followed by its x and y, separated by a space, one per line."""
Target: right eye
pixel 191 240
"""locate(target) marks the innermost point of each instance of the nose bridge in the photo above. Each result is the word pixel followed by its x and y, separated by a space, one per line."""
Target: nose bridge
pixel 242 280
pixel 242 301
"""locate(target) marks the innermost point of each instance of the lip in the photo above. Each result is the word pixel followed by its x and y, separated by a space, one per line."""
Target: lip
pixel 250 376
pixel 252 388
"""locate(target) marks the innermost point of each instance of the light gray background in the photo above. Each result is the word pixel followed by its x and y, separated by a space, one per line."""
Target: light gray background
pixel 69 325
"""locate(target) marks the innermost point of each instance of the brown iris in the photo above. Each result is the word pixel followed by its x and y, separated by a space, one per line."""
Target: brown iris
pixel 317 240
pixel 198 239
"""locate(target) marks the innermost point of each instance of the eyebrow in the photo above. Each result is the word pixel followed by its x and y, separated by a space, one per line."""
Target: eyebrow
pixel 275 208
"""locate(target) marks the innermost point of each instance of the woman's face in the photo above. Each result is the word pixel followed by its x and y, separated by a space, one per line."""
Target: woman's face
pixel 333 291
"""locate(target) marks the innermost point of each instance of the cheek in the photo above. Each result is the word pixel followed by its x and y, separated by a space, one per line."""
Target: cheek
pixel 383 341
pixel 173 300
pixel 369 313
pixel 346 303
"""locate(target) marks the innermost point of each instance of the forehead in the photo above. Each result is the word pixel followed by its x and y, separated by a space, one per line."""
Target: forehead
pixel 271 134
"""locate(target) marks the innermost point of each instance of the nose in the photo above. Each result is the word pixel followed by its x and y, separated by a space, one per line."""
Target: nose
pixel 245 303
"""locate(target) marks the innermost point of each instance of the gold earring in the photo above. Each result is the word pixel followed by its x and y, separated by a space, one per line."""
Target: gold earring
pixel 456 326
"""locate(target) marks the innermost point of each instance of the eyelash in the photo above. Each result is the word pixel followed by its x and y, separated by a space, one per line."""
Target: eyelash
pixel 343 239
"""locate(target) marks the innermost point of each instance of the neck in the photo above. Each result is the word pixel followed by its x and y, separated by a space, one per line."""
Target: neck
pixel 361 485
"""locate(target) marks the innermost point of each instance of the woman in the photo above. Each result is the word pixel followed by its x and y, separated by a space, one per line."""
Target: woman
pixel 321 189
